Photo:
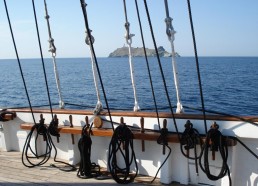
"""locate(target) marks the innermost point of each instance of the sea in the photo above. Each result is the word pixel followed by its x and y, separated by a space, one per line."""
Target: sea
pixel 229 84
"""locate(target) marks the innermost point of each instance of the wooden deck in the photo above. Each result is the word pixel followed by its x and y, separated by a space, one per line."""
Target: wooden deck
pixel 13 172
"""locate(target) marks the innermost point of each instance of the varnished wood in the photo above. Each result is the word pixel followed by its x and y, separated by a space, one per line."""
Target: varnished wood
pixel 9 116
pixel 145 114
pixel 147 135
pixel 71 126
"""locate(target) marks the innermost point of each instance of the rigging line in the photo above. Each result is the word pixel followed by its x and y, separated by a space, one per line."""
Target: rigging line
pixel 52 49
pixel 128 37
pixel 147 63
pixel 161 70
pixel 98 106
pixel 197 64
pixel 18 59
pixel 83 5
pixel 171 37
pixel 42 59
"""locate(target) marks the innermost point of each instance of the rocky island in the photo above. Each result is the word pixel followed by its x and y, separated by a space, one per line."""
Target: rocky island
pixel 139 52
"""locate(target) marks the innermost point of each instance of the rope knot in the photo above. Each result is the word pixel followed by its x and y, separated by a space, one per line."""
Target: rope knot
pixel 162 140
pixel 215 137
pixel 88 38
pixel 189 136
pixel 169 30
pixel 53 127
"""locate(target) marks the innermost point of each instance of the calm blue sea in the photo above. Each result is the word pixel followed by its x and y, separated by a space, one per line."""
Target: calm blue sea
pixel 230 84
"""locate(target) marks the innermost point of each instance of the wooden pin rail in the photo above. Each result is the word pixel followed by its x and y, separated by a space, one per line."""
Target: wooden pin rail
pixel 147 135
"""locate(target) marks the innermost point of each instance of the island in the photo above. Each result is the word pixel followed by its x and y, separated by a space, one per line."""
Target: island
pixel 139 52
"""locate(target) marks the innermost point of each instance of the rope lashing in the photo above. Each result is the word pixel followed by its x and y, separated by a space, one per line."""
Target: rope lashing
pixel 87 169
pixel 215 141
pixel 128 38
pixel 171 37
pixel 122 136
pixel 52 49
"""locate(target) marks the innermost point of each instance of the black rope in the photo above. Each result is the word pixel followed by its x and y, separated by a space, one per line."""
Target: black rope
pixel 122 136
pixel 162 140
pixel 197 64
pixel 215 141
pixel 42 59
pixel 87 169
pixel 31 158
pixel 147 63
pixel 161 70
pixel 18 59
pixel 83 5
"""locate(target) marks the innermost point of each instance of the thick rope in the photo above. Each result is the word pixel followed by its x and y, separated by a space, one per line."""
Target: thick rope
pixel 171 37
pixel 52 49
pixel 31 158
pixel 128 38
pixel 122 136
pixel 99 106
pixel 83 5
pixel 215 141
pixel 19 63
pixel 197 64
pixel 87 169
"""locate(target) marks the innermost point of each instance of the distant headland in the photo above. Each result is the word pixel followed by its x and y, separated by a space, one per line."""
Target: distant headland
pixel 139 52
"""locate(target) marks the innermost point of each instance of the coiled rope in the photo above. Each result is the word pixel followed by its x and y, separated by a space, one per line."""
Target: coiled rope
pixel 215 142
pixel 122 136
pixel 87 169
pixel 31 157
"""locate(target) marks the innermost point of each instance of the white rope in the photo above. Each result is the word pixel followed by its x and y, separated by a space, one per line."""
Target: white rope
pixel 61 102
pixel 171 37
pixel 52 49
pixel 128 38
pixel 98 107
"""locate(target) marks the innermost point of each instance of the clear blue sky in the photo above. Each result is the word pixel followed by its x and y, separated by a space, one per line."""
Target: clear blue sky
pixel 222 27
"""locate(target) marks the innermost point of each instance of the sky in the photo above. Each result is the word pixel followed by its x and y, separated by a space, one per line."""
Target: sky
pixel 222 27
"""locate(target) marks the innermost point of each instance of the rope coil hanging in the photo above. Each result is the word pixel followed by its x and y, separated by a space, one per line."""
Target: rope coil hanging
pixel 171 37
pixel 128 38
pixel 122 136
pixel 87 169
pixel 52 49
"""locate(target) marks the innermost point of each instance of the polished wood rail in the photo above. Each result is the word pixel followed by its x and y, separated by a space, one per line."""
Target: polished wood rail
pixel 102 132
pixel 212 117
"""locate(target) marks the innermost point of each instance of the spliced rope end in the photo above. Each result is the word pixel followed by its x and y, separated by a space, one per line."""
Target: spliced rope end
pixel 179 108
pixel 136 107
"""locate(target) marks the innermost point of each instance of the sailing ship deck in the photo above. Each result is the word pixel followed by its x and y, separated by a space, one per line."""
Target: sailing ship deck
pixel 13 172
